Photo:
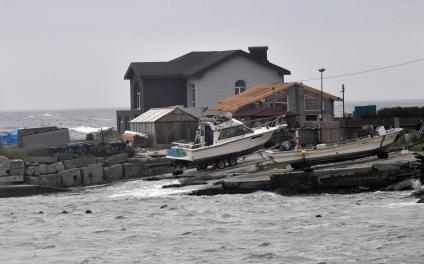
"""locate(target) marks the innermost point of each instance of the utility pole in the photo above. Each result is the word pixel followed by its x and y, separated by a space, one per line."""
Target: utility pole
pixel 322 93
pixel 343 93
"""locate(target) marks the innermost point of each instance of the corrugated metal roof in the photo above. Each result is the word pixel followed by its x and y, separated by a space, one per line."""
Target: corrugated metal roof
pixel 154 114
pixel 260 92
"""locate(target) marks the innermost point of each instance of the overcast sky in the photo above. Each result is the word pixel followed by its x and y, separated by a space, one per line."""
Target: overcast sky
pixel 73 54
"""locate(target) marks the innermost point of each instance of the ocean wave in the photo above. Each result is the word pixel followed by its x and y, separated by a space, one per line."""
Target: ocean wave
pixel 86 130
pixel 46 115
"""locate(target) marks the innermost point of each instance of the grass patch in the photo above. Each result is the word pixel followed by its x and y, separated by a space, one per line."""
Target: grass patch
pixel 20 153
pixel 271 166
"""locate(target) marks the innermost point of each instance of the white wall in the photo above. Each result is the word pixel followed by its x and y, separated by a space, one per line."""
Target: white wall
pixel 219 82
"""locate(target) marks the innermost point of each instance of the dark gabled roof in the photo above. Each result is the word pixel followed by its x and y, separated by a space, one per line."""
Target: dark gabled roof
pixel 191 64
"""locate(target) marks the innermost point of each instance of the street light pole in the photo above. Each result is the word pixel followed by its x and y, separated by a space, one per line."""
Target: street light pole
pixel 322 108
pixel 343 93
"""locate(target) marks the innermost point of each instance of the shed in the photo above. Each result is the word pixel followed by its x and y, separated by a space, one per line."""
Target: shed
pixel 165 125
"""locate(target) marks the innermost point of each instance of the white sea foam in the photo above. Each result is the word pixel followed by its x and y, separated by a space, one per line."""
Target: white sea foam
pixel 46 115
pixel 86 130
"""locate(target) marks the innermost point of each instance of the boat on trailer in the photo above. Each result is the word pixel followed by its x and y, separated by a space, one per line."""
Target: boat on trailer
pixel 345 150
pixel 222 140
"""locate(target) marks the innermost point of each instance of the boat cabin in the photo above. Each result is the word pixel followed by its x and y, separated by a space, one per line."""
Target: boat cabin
pixel 211 132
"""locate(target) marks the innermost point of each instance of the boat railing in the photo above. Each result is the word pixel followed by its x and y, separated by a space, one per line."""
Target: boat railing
pixel 183 145
pixel 265 122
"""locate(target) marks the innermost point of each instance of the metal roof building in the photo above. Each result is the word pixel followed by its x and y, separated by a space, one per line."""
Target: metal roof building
pixel 165 125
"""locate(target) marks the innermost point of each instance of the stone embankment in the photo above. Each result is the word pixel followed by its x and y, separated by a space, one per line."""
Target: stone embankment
pixel 398 172
pixel 49 172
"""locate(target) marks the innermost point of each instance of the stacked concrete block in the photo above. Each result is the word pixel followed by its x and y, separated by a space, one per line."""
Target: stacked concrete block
pixel 133 170
pixel 42 168
pixel 17 167
pixel 70 178
pixel 59 166
pixel 51 180
pixel 51 168
pixel 78 163
pixel 41 160
pixel 29 171
pixel 116 159
pixel 32 180
pixel 113 173
pixel 92 174
pixel 4 166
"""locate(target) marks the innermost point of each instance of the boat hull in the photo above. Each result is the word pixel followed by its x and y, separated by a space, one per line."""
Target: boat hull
pixel 233 147
pixel 354 149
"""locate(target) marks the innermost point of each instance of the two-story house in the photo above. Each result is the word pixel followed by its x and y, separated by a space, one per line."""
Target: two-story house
pixel 196 79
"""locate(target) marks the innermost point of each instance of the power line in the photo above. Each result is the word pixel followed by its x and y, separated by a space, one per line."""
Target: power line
pixel 365 71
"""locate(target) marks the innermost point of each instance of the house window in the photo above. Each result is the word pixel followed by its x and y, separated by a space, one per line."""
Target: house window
pixel 193 94
pixel 137 96
pixel 240 87
pixel 311 117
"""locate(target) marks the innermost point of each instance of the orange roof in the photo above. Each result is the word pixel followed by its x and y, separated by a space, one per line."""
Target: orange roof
pixel 261 92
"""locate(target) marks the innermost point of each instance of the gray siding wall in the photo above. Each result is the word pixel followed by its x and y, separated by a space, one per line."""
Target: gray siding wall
pixel 218 83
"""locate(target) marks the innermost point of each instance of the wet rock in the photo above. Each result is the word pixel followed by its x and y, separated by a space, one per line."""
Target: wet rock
pixel 420 200
pixel 40 212
pixel 64 212
pixel 119 217
pixel 186 233
pixel 163 206
pixel 88 212
pixel 405 185
pixel 318 215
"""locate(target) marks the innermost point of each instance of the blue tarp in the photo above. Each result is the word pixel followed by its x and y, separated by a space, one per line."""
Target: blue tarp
pixel 9 138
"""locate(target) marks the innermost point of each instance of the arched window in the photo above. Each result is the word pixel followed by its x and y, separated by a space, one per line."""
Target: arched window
pixel 240 87
pixel 137 96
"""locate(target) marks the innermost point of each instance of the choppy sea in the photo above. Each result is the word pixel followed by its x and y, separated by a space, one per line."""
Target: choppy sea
pixel 139 222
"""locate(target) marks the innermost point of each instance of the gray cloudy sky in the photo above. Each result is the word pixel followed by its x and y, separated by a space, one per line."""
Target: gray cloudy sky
pixel 73 54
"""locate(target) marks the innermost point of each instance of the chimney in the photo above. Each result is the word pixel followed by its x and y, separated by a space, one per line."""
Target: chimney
pixel 259 52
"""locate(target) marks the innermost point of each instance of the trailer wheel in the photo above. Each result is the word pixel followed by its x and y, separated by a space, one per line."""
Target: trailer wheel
pixel 220 164
pixel 232 161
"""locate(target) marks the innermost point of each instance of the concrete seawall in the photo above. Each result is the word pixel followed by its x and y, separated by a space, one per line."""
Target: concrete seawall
pixel 49 172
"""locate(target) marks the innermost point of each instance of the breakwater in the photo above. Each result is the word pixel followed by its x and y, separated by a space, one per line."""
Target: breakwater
pixel 49 172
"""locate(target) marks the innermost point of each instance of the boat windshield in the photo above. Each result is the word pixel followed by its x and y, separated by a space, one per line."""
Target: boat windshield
pixel 234 132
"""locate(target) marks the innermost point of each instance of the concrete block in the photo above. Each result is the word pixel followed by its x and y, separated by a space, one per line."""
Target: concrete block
pixel 32 180
pixel 4 165
pixel 92 175
pixel 85 162
pixel 69 164
pixel 52 180
pixel 79 163
pixel 42 159
pixel 60 167
pixel 137 160
pixel 386 167
pixel 29 171
pixel 71 177
pixel 36 170
pixel 113 173
pixel 51 168
pixel 133 170
pixel 11 179
pixel 100 159
pixel 43 169
pixel 17 167
pixel 116 159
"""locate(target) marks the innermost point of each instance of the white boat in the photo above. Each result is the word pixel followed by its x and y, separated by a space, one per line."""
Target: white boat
pixel 221 140
pixel 352 149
